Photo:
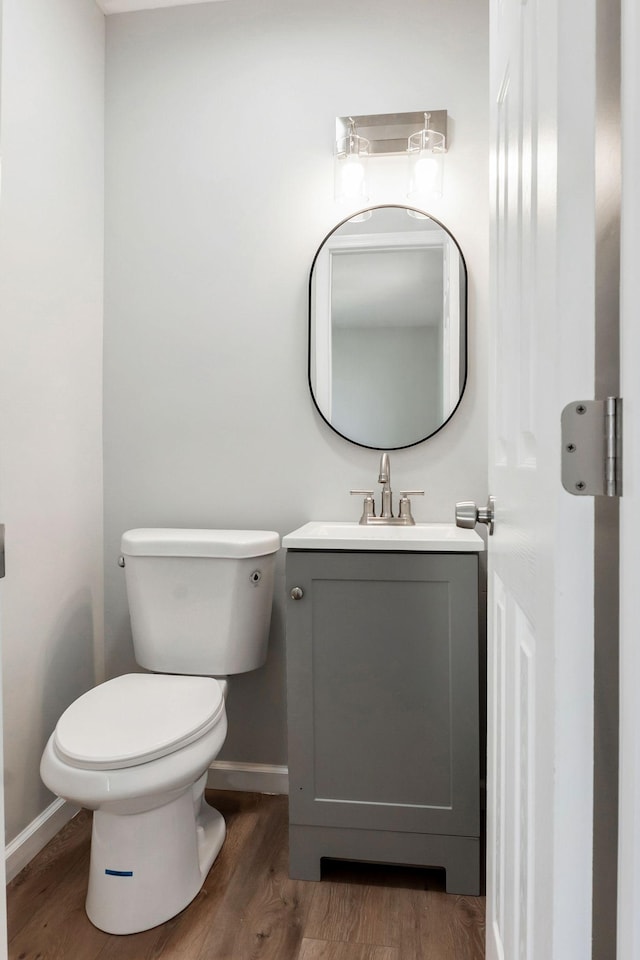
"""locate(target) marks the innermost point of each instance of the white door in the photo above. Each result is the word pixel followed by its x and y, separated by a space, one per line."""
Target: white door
pixel 629 838
pixel 3 903
pixel 540 656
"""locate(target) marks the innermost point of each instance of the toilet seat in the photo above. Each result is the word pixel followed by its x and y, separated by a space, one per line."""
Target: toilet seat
pixel 137 718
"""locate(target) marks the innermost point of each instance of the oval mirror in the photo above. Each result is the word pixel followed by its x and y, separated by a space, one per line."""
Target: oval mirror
pixel 388 327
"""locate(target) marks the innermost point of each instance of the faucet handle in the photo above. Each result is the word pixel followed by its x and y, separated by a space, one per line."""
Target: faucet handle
pixel 368 507
pixel 405 505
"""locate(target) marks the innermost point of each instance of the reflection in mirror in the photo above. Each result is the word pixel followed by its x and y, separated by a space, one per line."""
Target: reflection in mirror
pixel 387 328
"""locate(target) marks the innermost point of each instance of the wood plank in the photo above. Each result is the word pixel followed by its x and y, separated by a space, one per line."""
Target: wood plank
pixel 355 912
pixel 442 925
pixel 388 906
pixel 40 877
pixel 59 928
pixel 332 950
pixel 248 908
pixel 469 927
pixel 262 912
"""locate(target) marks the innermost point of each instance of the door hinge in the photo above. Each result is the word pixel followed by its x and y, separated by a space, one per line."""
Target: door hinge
pixel 592 447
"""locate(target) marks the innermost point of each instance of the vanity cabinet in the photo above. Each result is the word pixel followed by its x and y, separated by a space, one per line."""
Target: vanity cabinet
pixel 383 711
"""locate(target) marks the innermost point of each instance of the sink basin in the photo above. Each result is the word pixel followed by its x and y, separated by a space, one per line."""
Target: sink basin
pixel 423 537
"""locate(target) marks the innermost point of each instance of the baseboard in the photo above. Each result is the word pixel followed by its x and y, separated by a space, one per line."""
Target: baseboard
pixel 36 835
pixel 250 777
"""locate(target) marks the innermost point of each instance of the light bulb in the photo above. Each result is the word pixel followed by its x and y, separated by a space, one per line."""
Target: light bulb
pixel 350 168
pixel 425 149
pixel 352 178
pixel 425 173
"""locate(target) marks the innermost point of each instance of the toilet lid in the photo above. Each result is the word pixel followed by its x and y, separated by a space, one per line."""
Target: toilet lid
pixel 136 718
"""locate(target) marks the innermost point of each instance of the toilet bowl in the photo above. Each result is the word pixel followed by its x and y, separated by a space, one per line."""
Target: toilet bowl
pixel 136 749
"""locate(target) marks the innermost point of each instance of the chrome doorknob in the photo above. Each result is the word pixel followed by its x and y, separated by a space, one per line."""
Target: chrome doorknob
pixel 468 514
pixel 297 593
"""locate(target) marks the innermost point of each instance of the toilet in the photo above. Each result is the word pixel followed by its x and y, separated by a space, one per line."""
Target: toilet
pixel 136 749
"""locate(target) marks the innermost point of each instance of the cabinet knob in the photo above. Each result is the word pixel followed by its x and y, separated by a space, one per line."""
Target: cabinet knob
pixel 297 593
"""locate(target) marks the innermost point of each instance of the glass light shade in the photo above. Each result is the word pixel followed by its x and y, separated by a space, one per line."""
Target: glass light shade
pixel 350 168
pixel 426 164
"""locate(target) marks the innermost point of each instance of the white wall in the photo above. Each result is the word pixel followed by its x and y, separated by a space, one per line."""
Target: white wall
pixel 220 126
pixel 51 255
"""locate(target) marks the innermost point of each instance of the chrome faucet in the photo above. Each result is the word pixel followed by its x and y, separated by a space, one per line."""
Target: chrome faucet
pixel 384 477
pixel 386 517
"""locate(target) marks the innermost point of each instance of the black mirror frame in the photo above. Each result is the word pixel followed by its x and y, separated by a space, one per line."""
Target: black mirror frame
pixel 464 327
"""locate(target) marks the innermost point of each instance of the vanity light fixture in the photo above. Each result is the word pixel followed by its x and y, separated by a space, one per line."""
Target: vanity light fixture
pixel 426 149
pixel 422 136
pixel 350 166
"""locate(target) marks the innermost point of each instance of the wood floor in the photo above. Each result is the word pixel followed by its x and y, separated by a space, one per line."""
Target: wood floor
pixel 249 909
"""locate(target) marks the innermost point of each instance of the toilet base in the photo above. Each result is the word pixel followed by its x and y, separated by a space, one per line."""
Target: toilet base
pixel 146 867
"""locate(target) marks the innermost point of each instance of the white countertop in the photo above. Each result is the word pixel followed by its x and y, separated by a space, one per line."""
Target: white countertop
pixel 346 535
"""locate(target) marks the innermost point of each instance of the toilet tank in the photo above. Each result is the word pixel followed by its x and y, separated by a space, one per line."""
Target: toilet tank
pixel 200 600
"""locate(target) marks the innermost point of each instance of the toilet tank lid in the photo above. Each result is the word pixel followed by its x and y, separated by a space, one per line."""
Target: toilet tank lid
pixel 158 542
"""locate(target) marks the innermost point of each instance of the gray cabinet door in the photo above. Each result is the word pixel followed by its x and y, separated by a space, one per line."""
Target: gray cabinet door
pixel 382 663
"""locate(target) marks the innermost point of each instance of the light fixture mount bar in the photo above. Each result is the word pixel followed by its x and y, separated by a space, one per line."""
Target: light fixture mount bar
pixel 388 133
